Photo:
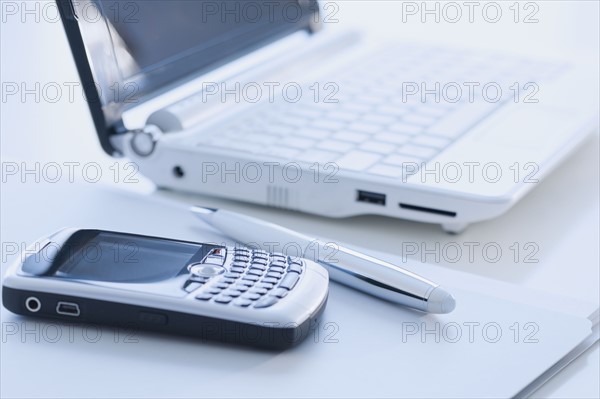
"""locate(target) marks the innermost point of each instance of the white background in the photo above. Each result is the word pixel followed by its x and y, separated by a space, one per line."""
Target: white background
pixel 560 216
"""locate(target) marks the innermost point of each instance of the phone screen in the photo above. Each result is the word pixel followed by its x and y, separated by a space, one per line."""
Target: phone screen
pixel 123 258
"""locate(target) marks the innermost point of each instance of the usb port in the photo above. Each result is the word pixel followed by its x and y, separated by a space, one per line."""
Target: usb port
pixel 67 308
pixel 370 197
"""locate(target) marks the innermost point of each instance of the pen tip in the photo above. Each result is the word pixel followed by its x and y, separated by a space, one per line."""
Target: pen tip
pixel 440 301
pixel 200 210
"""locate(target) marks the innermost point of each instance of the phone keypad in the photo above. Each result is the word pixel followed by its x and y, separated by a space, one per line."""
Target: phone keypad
pixel 255 279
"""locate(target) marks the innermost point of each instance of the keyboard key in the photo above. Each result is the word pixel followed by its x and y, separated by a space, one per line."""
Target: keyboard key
pixel 431 141
pixel 281 152
pixel 431 110
pixel 396 138
pixel 305 112
pixel 297 142
pixel 335 145
pixel 403 161
pixel 378 119
pixel 289 281
pixel 395 111
pixel 318 156
pixel 369 128
pixel 342 116
pixel 312 133
pixel 244 146
pixel 357 160
pixel 415 150
pixel 459 121
pixel 351 106
pixel 351 136
pixel 292 121
pixel 328 124
pixel 405 128
pixel 387 171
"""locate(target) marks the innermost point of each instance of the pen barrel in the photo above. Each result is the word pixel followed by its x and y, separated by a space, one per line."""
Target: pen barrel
pixel 378 278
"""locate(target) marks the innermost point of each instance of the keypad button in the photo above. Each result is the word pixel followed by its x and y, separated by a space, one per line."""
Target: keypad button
pixel 233 293
pixel 205 296
pixel 223 299
pixel 241 287
pixel 251 296
pixel 228 280
pixel 190 286
pixel 276 275
pixel 242 302
pixel 232 275
pixel 265 285
pixel 289 281
pixel 250 277
pixel 279 263
pixel 259 291
pixel 295 268
pixel 215 290
pixel 242 251
pixel 272 280
pixel 258 266
pixel 260 252
pixel 222 285
pixel 260 262
pixel 279 269
pixel 278 257
pixel 237 269
pixel 255 272
pixel 237 263
pixel 279 292
pixel 266 302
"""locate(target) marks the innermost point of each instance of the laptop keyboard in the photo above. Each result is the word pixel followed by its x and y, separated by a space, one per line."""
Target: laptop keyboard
pixel 377 126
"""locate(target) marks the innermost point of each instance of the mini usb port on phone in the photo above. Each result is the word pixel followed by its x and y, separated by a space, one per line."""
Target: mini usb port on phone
pixel 370 197
pixel 67 309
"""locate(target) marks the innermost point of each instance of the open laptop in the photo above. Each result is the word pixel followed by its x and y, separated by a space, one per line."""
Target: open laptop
pixel 255 101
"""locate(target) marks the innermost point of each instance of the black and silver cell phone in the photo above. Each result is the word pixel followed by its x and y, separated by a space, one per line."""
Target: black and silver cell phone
pixel 229 294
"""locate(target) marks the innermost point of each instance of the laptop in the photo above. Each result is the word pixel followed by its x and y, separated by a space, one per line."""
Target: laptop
pixel 265 102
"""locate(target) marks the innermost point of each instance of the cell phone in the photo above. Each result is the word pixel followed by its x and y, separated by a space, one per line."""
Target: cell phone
pixel 213 292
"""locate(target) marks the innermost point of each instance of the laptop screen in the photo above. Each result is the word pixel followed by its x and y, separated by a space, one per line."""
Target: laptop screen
pixel 141 46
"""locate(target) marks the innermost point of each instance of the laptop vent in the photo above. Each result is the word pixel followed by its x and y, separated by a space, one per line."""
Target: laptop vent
pixel 278 197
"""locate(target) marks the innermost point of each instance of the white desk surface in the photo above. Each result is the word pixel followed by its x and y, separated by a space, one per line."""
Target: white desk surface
pixel 560 217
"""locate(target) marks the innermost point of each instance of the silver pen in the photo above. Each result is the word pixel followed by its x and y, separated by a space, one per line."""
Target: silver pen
pixel 346 266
